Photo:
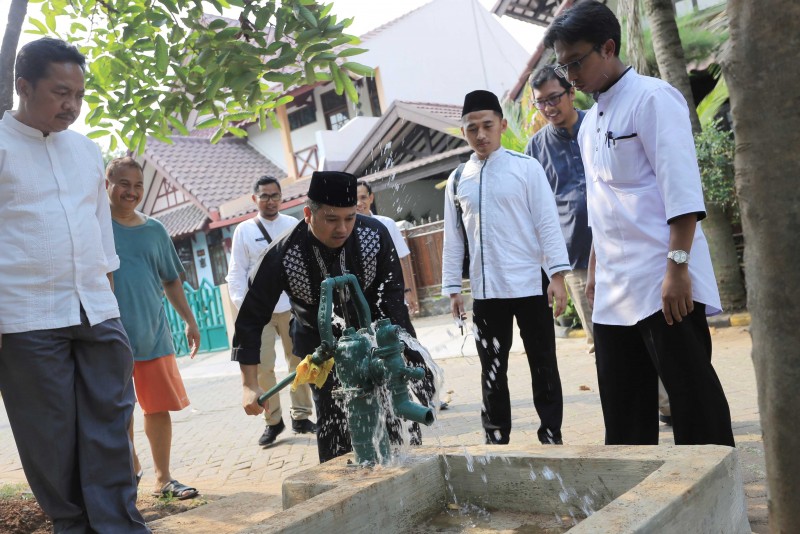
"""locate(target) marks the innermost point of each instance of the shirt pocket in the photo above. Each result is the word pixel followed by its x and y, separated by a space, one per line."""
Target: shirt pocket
pixel 623 155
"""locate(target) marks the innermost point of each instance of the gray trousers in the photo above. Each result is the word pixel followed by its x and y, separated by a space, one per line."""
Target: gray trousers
pixel 69 398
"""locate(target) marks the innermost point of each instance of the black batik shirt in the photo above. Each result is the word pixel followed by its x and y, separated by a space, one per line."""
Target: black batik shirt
pixel 291 265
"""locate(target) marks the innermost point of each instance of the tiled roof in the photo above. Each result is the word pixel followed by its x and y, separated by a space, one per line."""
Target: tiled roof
pixel 448 112
pixel 213 174
pixel 182 220
pixel 416 164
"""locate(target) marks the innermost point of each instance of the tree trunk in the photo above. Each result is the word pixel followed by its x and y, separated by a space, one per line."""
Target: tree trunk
pixel 672 67
pixel 762 57
pixel 634 37
pixel 8 52
pixel 719 233
pixel 669 52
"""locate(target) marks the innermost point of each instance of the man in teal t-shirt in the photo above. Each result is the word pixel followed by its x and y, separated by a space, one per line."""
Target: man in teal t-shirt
pixel 150 268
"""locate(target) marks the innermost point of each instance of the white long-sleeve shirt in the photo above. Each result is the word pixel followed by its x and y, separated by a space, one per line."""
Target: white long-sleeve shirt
pixel 641 172
pixel 248 245
pixel 56 241
pixel 397 236
pixel 512 226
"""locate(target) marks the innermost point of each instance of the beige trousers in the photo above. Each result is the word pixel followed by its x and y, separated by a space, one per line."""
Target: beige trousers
pixel 576 285
pixel 301 398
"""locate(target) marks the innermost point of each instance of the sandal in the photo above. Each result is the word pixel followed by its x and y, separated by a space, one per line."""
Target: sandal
pixel 176 490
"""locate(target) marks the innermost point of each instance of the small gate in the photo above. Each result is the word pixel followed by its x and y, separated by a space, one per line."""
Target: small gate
pixel 206 305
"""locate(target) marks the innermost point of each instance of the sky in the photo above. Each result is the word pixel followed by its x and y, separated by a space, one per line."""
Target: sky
pixel 368 14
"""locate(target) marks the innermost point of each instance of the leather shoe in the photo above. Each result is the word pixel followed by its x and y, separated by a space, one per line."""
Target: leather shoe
pixel 666 419
pixel 271 434
pixel 304 426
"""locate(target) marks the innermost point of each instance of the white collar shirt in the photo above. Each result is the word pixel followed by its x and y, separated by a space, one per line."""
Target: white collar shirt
pixel 57 242
pixel 511 221
pixel 397 236
pixel 641 172
pixel 248 246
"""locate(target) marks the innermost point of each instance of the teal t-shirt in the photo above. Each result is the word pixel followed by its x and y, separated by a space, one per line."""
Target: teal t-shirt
pixel 147 256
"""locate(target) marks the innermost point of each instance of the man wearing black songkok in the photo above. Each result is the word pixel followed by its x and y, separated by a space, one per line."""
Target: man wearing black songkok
pixel 331 240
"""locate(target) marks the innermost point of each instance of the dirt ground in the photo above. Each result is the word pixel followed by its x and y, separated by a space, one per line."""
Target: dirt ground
pixel 20 514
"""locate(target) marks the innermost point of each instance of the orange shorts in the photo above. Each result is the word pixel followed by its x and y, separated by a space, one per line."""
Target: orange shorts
pixel 158 385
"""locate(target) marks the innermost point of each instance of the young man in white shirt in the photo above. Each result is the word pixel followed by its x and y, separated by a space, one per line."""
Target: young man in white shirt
pixel 366 198
pixel 509 217
pixel 650 274
pixel 250 239
pixel 65 361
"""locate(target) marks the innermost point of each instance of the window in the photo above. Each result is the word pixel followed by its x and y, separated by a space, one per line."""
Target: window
pixel 186 255
pixel 374 100
pixel 302 117
pixel 219 261
pixel 334 107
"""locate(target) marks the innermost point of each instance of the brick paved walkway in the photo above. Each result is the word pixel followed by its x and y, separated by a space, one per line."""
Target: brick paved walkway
pixel 214 443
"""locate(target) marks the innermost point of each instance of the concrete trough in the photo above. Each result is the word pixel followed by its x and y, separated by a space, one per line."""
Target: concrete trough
pixel 622 489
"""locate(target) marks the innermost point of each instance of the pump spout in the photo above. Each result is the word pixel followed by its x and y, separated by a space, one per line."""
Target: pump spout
pixel 411 411
pixel 390 352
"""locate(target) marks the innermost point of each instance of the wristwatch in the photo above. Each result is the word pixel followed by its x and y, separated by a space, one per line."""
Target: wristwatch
pixel 678 256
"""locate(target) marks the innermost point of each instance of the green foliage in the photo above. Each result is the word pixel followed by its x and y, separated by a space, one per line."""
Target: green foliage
pixel 14 491
pixel 700 32
pixel 152 62
pixel 709 107
pixel 523 119
pixel 570 316
pixel 715 150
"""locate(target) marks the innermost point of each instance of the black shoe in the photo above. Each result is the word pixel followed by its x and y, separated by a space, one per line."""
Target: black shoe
pixel 548 437
pixel 666 419
pixel 304 426
pixel 271 434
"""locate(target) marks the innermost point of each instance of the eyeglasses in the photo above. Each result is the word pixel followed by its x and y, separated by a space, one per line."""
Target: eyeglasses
pixel 551 101
pixel 275 197
pixel 562 70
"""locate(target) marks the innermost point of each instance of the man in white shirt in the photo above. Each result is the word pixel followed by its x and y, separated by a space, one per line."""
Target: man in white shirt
pixel 364 207
pixel 645 200
pixel 508 215
pixel 423 389
pixel 250 239
pixel 65 361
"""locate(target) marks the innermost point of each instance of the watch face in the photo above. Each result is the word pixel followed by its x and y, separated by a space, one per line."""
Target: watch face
pixel 680 256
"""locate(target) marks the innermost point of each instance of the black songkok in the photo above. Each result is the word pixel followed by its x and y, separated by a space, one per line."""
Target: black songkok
pixel 481 100
pixel 338 189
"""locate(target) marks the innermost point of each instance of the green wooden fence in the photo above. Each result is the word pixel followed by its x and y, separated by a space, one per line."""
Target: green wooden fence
pixel 206 305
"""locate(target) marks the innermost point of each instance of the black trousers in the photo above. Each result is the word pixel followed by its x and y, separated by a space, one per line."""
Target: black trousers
pixel 629 361
pixel 493 319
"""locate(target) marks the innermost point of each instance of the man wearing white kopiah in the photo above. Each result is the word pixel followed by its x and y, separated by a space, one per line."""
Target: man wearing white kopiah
pixel 650 272
pixel 500 205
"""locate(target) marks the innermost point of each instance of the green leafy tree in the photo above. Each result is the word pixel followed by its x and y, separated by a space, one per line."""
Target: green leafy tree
pixel 154 63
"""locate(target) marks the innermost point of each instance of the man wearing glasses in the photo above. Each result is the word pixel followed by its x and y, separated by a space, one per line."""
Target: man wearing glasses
pixel 250 239
pixel 556 147
pixel 650 275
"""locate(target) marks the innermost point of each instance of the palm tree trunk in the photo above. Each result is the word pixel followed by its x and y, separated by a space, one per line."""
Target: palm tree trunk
pixel 634 41
pixel 763 56
pixel 669 52
pixel 8 52
pixel 719 233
